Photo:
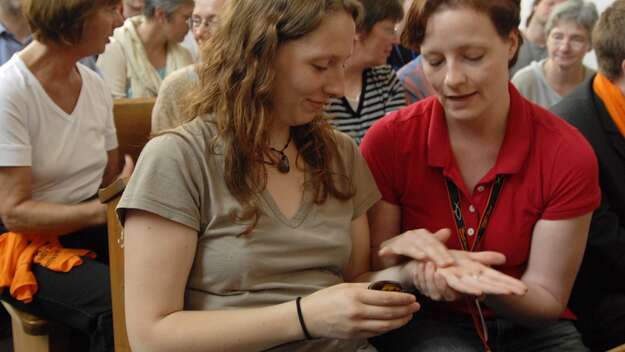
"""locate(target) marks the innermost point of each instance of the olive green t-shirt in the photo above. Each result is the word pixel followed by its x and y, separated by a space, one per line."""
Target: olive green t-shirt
pixel 179 177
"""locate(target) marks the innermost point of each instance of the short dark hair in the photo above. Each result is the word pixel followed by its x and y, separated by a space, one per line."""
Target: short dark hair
pixel 379 10
pixel 608 40
pixel 504 14
pixel 61 21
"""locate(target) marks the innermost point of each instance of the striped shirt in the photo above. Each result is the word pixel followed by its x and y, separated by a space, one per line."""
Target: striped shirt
pixel 382 93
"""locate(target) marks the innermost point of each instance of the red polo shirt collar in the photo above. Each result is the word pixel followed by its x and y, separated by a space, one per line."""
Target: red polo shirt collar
pixel 513 152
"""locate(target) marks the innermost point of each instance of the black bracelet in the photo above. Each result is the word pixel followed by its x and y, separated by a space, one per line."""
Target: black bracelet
pixel 301 319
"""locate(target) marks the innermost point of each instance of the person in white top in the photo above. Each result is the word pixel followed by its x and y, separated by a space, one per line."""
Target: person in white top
pixel 146 49
pixel 569 32
pixel 58 145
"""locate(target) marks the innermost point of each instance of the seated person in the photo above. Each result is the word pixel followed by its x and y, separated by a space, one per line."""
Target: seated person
pixel 146 49
pixel 597 109
pixel 569 32
pixel 58 146
pixel 171 103
pixel 258 204
pixel 416 84
pixel 131 8
pixel 534 46
pixel 371 87
pixel 497 172
pixel 400 55
pixel 15 33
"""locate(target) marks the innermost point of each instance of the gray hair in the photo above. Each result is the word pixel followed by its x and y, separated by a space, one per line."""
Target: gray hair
pixel 582 12
pixel 168 6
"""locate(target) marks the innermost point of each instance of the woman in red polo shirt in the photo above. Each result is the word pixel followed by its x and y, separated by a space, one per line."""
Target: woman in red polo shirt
pixel 498 173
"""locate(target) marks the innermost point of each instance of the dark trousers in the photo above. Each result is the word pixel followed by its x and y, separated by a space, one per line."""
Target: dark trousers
pixel 80 298
pixel 602 320
pixel 435 331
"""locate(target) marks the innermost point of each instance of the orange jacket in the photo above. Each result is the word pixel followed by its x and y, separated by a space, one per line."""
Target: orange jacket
pixel 18 252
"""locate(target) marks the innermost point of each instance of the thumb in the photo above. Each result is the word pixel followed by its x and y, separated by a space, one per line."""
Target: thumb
pixel 442 235
pixel 128 168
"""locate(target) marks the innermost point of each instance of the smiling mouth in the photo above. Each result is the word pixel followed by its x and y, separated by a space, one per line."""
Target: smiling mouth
pixel 318 104
pixel 459 97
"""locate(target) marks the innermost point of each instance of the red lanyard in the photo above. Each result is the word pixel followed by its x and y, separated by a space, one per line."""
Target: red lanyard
pixel 456 210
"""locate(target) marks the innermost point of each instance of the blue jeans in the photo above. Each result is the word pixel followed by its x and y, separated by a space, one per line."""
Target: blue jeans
pixel 80 298
pixel 429 332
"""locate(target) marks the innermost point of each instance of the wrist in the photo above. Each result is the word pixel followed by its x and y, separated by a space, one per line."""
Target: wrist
pixel 406 272
pixel 302 321
pixel 98 213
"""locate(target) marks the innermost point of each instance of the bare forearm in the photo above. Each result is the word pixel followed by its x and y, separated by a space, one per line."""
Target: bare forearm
pixel 41 218
pixel 537 307
pixel 234 330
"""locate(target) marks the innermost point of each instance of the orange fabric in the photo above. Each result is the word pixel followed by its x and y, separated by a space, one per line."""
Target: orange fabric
pixel 613 99
pixel 18 252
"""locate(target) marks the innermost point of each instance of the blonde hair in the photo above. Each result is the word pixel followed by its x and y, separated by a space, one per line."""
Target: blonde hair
pixel 235 85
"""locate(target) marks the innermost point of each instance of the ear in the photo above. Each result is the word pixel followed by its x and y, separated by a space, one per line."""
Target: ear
pixel 513 40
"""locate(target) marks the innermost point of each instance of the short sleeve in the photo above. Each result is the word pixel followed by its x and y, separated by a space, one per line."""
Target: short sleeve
pixel 574 182
pixel 378 150
pixel 15 144
pixel 397 95
pixel 166 182
pixel 367 193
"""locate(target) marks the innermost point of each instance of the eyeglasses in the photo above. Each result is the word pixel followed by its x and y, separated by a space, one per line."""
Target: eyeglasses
pixel 209 22
pixel 576 43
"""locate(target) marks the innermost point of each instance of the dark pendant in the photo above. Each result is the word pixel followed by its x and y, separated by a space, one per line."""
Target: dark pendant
pixel 283 165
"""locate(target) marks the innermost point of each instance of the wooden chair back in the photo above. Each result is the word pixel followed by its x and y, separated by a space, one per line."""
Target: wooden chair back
pixel 133 122
pixel 110 196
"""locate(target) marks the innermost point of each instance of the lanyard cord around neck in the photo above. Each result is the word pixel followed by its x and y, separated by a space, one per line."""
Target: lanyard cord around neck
pixel 456 210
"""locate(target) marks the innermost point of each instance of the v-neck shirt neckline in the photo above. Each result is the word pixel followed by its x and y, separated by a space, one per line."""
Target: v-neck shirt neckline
pixel 53 105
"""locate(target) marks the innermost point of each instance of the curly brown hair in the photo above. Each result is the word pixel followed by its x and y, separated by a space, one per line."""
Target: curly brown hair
pixel 235 85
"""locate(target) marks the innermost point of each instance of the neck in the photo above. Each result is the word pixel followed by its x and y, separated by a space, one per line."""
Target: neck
pixel 620 83
pixel 535 33
pixel 15 23
pixel 279 135
pixel 151 36
pixel 559 76
pixel 51 63
pixel 353 77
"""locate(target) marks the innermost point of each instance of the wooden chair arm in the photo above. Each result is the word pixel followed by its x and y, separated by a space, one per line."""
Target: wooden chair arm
pixel 113 190
pixel 32 324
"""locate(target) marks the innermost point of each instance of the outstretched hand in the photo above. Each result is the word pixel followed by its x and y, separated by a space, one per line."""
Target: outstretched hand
pixel 470 275
pixel 420 245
